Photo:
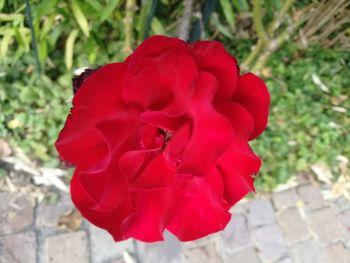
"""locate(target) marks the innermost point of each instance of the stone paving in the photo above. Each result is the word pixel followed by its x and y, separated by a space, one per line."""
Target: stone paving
pixel 294 225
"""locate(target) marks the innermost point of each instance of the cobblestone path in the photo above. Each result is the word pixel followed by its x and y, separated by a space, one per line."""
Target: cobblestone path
pixel 294 225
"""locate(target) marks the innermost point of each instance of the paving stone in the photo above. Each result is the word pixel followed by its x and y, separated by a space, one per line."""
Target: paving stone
pixel 208 253
pixel 324 224
pixel 260 212
pixel 104 248
pixel 48 215
pixel 344 219
pixel 72 247
pixel 285 199
pixel 293 227
pixel 167 251
pixel 341 204
pixel 16 212
pixel 118 260
pixel 270 242
pixel 239 208
pixel 236 235
pixel 337 253
pixel 247 255
pixel 212 238
pixel 311 196
pixel 308 251
pixel 286 260
pixel 18 248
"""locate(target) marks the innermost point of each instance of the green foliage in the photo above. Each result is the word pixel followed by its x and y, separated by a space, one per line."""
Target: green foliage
pixel 304 125
pixel 33 109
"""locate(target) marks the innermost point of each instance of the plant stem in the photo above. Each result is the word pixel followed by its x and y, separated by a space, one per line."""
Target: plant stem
pixel 256 49
pixel 34 45
pixel 129 19
pixel 281 15
pixel 198 28
pixel 150 17
pixel 185 24
pixel 146 6
pixel 257 21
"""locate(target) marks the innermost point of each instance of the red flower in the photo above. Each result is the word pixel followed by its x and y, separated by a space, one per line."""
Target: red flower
pixel 160 141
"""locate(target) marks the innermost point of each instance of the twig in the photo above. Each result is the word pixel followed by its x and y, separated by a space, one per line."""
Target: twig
pixel 281 15
pixel 129 19
pixel 185 24
pixel 34 45
pixel 257 21
pixel 150 17
pixel 198 28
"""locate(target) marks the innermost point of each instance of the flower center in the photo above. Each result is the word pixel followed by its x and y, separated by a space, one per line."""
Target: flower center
pixel 167 136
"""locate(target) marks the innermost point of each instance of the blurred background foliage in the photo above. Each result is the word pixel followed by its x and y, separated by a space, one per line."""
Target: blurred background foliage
pixel 301 48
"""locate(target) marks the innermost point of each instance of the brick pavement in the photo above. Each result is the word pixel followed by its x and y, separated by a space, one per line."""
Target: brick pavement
pixel 294 225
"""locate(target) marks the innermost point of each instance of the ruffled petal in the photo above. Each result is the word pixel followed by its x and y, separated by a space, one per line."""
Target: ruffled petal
pixel 77 136
pixel 98 98
pixel 212 57
pixel 155 45
pixel 157 174
pixel 154 209
pixel 100 94
pixel 202 213
pixel 117 132
pixel 237 167
pixel 110 220
pixel 173 151
pixel 241 121
pixel 159 119
pixel 162 83
pixel 211 134
pixel 254 96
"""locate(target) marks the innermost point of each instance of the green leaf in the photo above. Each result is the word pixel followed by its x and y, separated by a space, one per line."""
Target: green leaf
pixel 70 48
pixel 228 13
pixel 108 10
pixel 5 42
pixel 157 27
pixel 241 5
pixel 145 9
pixel 2 3
pixel 45 7
pixel 42 51
pixel 47 26
pixel 214 20
pixel 95 4
pixel 80 18
pixel 11 17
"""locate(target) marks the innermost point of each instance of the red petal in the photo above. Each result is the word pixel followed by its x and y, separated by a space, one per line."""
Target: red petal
pixel 163 83
pixel 108 188
pixel 97 99
pixel 77 136
pixel 117 131
pixel 211 56
pixel 153 211
pixel 157 174
pixel 110 220
pixel 211 135
pixel 155 45
pixel 237 167
pixel 241 121
pixel 158 119
pixel 132 162
pixel 254 96
pixel 201 214
pixel 176 145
